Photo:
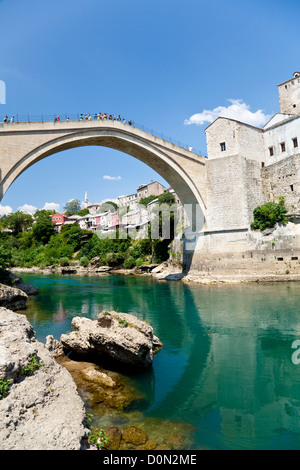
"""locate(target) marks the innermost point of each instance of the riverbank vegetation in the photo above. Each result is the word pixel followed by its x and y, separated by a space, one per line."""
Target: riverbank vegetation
pixel 269 214
pixel 29 241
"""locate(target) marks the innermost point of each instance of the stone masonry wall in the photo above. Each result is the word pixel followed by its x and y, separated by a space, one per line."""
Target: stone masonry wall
pixel 234 189
pixel 283 179
pixel 240 139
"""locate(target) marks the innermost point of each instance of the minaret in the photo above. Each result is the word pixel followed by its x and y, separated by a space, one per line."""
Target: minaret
pixel 86 201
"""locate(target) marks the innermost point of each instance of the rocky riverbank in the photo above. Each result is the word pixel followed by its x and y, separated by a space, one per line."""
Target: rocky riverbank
pixel 40 408
pixel 115 402
pixel 166 272
pixel 45 392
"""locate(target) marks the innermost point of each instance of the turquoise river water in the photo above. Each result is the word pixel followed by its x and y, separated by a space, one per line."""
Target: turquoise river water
pixel 227 366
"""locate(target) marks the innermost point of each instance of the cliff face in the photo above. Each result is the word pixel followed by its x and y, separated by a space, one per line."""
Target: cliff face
pixel 42 411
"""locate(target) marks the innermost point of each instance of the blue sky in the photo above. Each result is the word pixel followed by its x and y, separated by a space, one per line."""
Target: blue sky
pixel 170 65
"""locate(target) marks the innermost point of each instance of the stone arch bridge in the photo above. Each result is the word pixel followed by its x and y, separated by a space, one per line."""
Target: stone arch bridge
pixel 24 143
pixel 222 192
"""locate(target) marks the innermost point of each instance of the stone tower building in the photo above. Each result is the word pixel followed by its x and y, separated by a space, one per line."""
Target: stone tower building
pixel 289 95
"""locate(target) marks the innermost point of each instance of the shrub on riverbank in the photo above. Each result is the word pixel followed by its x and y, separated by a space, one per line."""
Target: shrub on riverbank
pixel 269 214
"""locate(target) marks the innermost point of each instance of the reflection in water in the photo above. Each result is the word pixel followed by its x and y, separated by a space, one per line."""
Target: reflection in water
pixel 226 365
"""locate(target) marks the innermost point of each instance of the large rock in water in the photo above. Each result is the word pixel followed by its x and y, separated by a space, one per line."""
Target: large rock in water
pixel 42 411
pixel 12 298
pixel 119 336
pixel 23 286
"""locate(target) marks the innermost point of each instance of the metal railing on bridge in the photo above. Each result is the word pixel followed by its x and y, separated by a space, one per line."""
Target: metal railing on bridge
pixel 80 117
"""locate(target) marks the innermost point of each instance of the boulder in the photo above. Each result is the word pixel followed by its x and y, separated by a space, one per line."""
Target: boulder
pixel 23 286
pixel 119 336
pixel 12 298
pixel 42 410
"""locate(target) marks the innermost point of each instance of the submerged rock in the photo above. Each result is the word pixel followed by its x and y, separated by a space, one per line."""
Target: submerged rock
pixel 134 435
pixel 118 336
pixel 107 392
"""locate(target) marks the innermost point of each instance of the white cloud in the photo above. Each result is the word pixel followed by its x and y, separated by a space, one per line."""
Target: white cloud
pixel 50 206
pixel 112 178
pixel 4 210
pixel 237 110
pixel 27 208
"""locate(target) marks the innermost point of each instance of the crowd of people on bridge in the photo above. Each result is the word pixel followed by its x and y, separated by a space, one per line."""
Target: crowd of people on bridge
pixel 99 116
pixel 85 117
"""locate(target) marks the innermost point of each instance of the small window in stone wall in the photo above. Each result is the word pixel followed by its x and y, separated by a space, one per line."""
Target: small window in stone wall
pixel 282 146
pixel 271 151
pixel 223 146
pixel 295 142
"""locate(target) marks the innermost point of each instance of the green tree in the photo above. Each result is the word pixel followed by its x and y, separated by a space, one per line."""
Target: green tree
pixel 161 230
pixel 43 229
pixel 108 206
pixel 166 198
pixel 146 200
pixel 4 264
pixel 83 212
pixel 72 207
pixel 18 222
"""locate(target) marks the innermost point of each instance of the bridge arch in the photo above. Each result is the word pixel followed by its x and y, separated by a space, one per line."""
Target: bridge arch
pixel 171 162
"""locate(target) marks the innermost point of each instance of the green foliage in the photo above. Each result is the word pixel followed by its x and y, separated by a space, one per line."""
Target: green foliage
pixel 122 323
pixel 108 206
pixel 72 235
pixel 146 200
pixel 33 365
pixel 64 261
pixel 43 229
pixel 269 214
pixel 129 262
pixel 166 198
pixel 98 437
pixel 84 261
pixel 4 387
pixel 141 249
pixel 83 212
pixel 41 246
pixel 18 222
pixel 72 207
pixel 5 258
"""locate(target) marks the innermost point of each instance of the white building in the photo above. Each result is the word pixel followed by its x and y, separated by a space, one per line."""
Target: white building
pixel 129 200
